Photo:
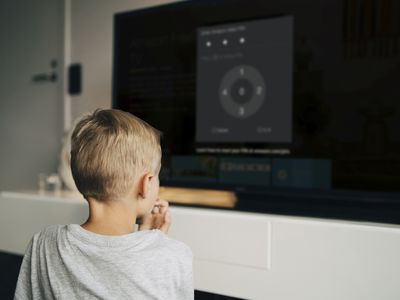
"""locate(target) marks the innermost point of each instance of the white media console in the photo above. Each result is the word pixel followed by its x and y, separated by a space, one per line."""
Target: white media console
pixel 246 255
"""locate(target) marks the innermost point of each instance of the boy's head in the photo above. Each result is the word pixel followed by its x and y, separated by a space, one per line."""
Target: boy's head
pixel 110 151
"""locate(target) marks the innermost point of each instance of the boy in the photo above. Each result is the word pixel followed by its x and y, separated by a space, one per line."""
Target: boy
pixel 115 161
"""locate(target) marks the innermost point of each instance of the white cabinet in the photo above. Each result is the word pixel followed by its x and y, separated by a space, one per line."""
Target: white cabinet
pixel 247 255
pixel 258 256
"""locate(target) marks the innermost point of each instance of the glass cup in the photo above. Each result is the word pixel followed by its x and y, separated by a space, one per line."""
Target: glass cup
pixel 49 183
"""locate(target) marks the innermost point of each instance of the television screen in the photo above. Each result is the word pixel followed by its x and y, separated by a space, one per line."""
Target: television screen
pixel 293 105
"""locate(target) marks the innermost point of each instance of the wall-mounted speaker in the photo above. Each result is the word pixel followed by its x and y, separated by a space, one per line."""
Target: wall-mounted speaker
pixel 75 79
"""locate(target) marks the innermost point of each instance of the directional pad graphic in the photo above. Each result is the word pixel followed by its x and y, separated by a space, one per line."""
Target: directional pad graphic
pixel 242 91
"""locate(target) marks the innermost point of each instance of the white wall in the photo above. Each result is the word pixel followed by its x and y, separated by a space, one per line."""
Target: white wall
pixel 30 112
pixel 91 44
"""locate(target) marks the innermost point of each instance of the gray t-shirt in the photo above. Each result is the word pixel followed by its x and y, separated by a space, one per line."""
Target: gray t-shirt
pixel 69 262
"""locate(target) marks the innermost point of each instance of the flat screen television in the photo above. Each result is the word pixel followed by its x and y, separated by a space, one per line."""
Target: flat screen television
pixel 293 105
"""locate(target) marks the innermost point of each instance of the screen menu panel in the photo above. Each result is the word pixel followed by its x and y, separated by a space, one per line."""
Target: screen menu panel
pixel 244 81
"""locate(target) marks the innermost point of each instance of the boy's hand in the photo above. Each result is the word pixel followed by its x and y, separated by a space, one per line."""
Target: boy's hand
pixel 158 218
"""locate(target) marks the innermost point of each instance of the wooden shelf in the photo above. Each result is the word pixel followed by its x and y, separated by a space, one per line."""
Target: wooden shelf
pixel 198 196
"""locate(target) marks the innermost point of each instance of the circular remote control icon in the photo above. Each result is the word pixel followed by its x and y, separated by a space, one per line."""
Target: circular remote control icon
pixel 242 91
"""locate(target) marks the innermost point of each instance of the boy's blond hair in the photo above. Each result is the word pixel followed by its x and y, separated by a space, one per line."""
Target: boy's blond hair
pixel 110 149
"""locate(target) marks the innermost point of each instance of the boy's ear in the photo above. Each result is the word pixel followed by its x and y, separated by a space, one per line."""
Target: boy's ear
pixel 144 184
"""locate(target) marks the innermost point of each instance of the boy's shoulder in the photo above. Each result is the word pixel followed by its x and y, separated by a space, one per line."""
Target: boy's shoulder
pixel 48 233
pixel 51 230
pixel 177 246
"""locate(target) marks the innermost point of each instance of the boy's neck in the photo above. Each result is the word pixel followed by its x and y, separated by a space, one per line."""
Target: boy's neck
pixel 111 217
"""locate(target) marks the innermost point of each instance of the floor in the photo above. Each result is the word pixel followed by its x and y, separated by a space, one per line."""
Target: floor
pixel 9 269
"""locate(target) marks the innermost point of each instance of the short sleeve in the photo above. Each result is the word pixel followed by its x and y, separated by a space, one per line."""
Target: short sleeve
pixel 187 285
